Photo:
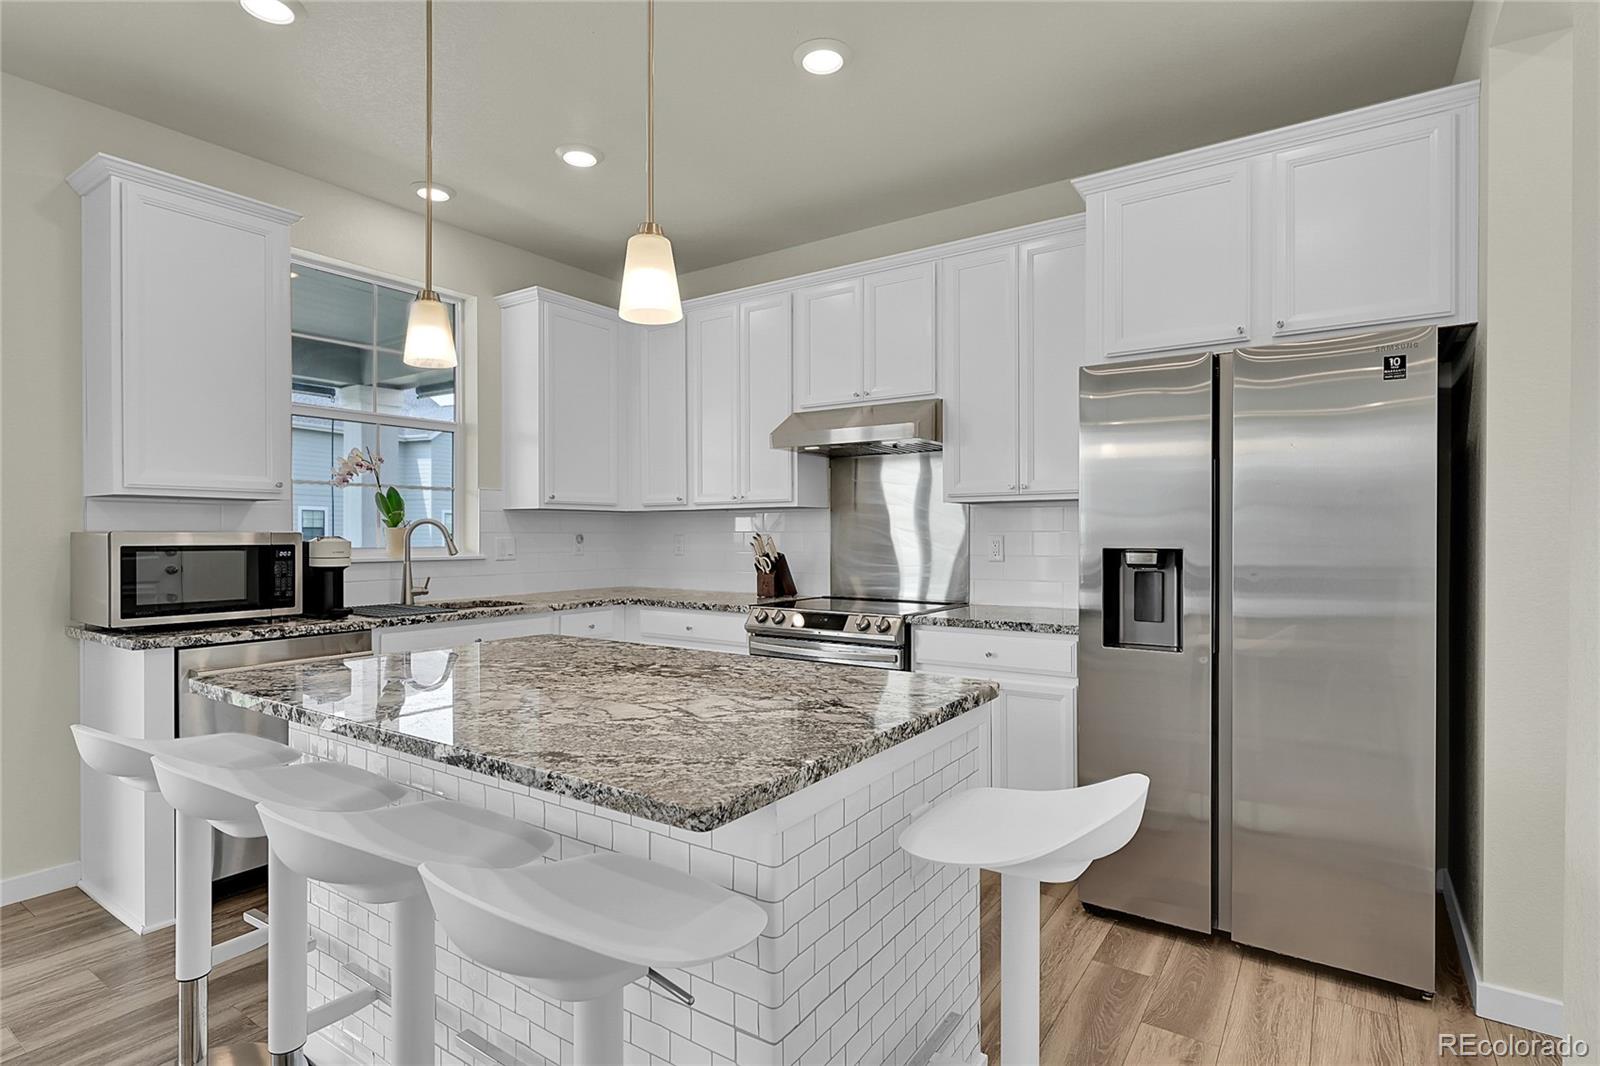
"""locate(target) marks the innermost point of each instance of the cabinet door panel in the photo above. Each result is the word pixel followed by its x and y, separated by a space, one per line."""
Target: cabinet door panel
pixel 714 422
pixel 764 335
pixel 1365 227
pixel 579 369
pixel 1040 738
pixel 664 454
pixel 1176 261
pixel 899 333
pixel 1051 344
pixel 827 344
pixel 205 314
pixel 978 324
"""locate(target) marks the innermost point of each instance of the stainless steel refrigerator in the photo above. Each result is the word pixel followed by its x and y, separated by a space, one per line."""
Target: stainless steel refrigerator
pixel 1260 619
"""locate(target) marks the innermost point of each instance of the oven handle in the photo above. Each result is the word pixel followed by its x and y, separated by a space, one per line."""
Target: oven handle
pixel 826 652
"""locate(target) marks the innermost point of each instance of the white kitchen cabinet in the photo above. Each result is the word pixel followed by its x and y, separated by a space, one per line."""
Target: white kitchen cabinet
pixel 865 337
pixel 739 390
pixel 1035 724
pixel 1350 222
pixel 1175 260
pixel 397 640
pixel 561 401
pixel 185 337
pixel 702 630
pixel 1011 332
pixel 606 623
pixel 663 417
pixel 1364 227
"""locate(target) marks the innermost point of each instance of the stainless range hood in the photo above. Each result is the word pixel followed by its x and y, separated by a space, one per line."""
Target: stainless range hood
pixel 871 429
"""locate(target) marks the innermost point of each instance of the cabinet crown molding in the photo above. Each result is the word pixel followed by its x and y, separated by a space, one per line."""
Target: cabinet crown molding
pixel 1063 226
pixel 541 294
pixel 102 168
pixel 1448 98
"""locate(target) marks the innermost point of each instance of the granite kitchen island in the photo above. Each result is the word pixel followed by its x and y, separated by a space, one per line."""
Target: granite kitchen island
pixel 785 781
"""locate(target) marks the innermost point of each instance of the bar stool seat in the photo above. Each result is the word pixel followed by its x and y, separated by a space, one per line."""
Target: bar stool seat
pixel 1027 836
pixel 128 758
pixel 583 929
pixel 227 796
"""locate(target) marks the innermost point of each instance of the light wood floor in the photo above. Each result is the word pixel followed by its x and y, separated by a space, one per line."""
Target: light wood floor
pixel 76 987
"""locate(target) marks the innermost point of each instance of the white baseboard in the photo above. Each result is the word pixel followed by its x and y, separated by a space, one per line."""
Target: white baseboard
pixel 40 882
pixel 132 922
pixel 1526 1009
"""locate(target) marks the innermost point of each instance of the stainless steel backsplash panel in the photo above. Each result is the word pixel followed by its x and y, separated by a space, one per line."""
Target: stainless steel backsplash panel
pixel 893 534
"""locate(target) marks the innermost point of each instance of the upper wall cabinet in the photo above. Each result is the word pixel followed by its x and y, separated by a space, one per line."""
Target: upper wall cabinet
pixel 185 337
pixel 1360 220
pixel 663 416
pixel 562 425
pixel 1011 332
pixel 868 336
pixel 738 381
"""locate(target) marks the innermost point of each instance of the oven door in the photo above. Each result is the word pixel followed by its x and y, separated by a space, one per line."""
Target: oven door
pixel 841 653
pixel 171 578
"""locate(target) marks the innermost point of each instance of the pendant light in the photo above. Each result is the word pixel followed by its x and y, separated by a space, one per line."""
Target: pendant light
pixel 649 277
pixel 429 341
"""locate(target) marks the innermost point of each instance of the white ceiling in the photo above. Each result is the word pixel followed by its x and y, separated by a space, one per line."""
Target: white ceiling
pixel 944 103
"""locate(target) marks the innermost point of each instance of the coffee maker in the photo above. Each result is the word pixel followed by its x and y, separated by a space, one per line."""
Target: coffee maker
pixel 326 560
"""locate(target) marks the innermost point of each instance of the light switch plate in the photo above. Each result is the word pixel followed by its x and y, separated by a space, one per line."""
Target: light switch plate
pixel 677 544
pixel 997 549
pixel 505 548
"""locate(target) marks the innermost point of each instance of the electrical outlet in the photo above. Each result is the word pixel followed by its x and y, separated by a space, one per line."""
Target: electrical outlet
pixel 997 549
pixel 577 544
pixel 677 544
pixel 505 548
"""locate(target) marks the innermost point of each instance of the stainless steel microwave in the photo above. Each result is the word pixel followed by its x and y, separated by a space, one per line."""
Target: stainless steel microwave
pixel 129 580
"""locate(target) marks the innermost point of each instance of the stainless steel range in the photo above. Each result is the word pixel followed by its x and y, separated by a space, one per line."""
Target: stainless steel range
pixel 897 549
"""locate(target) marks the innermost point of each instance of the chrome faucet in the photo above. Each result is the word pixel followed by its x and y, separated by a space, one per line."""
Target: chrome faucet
pixel 408 592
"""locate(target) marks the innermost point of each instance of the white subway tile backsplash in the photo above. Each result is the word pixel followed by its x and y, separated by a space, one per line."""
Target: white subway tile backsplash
pixel 1040 568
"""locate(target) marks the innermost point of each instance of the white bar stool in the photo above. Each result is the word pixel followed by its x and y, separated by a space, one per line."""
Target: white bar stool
pixel 226 798
pixel 584 929
pixel 129 760
pixel 1027 837
pixel 373 856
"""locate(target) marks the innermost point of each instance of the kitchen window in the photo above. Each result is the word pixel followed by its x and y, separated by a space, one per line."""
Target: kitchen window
pixel 352 389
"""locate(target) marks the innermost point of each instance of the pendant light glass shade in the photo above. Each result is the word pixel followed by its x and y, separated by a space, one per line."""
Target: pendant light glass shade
pixel 429 341
pixel 650 280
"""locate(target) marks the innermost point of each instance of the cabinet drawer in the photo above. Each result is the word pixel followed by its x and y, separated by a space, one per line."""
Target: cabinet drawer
pixel 699 627
pixel 599 622
pixel 398 639
pixel 987 650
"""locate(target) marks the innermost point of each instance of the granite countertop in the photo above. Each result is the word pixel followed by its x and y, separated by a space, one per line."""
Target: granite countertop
pixel 1014 619
pixel 449 611
pixel 686 738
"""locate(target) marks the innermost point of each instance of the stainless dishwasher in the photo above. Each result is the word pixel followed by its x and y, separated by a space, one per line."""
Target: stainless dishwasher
pixel 198 715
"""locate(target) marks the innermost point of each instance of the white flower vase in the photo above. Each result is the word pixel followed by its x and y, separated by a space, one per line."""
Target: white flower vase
pixel 396 541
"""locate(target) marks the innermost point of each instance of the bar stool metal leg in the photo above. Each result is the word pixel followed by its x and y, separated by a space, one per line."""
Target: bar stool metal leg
pixel 597 1030
pixel 286 964
pixel 192 936
pixel 411 980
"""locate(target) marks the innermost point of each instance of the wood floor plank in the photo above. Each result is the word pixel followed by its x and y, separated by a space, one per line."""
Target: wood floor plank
pixel 1538 1054
pixel 1195 988
pixel 1066 947
pixel 1137 946
pixel 1450 1011
pixel 68 901
pixel 8 1041
pixel 1097 1024
pixel 1342 1035
pixel 34 1010
pixel 1153 1046
pixel 1356 991
pixel 1270 1018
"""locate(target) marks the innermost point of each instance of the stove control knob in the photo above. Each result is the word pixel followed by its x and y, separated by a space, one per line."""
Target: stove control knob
pixel 863 623
pixel 884 625
pixel 761 616
pixel 778 617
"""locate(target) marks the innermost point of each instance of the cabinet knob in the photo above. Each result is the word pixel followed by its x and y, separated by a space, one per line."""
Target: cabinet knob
pixel 1239 330
pixel 1280 323
pixel 688 629
pixel 855 394
pixel 988 655
pixel 680 499
pixel 277 484
pixel 552 496
pixel 591 625
pixel 1023 485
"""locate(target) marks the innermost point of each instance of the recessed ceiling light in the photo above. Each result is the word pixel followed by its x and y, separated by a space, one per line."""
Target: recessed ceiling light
pixel 822 56
pixel 579 155
pixel 440 193
pixel 274 11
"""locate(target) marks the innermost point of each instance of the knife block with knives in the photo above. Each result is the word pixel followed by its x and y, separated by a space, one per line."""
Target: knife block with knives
pixel 773 578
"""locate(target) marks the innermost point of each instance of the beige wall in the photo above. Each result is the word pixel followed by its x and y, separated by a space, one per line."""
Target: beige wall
pixel 1529 887
pixel 44 135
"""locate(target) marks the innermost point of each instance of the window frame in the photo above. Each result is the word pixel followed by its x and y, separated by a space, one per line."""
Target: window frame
pixel 303 511
pixel 463 458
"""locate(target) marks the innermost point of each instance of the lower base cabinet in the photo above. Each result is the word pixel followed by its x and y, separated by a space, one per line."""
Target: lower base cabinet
pixel 1035 735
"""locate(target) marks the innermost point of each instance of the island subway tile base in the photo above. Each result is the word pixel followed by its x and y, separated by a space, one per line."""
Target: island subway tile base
pixel 866 952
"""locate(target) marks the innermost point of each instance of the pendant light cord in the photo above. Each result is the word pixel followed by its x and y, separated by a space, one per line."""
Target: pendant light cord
pixel 428 199
pixel 650 113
